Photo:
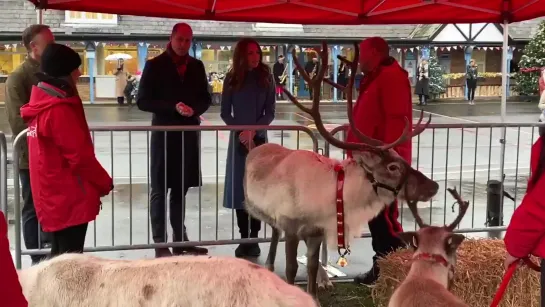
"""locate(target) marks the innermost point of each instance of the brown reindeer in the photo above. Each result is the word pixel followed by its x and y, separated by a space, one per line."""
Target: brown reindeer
pixel 432 271
pixel 295 191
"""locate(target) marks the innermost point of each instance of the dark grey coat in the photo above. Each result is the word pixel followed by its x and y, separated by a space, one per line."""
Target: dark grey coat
pixel 160 89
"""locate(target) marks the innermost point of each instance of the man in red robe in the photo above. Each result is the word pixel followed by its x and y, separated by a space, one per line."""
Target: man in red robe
pixel 384 101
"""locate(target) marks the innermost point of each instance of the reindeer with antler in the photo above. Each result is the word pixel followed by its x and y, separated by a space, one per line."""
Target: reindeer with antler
pixel 430 278
pixel 309 196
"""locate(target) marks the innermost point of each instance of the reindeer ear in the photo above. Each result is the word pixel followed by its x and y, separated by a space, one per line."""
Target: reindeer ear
pixel 453 242
pixel 410 238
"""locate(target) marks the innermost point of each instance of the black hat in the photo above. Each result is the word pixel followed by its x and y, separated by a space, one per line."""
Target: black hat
pixel 59 60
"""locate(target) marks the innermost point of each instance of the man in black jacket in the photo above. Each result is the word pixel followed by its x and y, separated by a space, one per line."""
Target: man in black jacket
pixel 174 88
pixel 279 69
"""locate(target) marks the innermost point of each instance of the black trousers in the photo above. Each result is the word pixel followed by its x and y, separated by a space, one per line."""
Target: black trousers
pixel 471 86
pixel 384 229
pixel 69 240
pixel 33 236
pixel 177 214
pixel 247 225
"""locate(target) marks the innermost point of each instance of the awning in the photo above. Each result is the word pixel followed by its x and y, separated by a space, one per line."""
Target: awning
pixel 340 12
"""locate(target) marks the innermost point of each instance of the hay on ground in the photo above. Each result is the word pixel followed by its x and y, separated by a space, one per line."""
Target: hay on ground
pixel 479 272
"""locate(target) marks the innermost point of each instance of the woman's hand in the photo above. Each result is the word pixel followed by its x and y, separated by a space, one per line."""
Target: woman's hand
pixel 247 136
pixel 509 260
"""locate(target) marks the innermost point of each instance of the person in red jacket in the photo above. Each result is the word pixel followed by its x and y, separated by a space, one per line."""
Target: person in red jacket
pixel 526 232
pixel 11 293
pixel 384 101
pixel 66 178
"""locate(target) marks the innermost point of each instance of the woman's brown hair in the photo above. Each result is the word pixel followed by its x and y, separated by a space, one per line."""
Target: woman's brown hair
pixel 238 71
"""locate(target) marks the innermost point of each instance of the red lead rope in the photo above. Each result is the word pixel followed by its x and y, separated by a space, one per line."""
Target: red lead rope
pixel 340 216
pixel 507 278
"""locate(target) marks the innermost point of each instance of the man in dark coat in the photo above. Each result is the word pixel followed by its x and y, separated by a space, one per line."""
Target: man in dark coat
pixel 18 87
pixel 312 67
pixel 174 88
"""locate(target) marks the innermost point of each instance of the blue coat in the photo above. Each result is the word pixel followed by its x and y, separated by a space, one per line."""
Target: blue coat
pixel 252 104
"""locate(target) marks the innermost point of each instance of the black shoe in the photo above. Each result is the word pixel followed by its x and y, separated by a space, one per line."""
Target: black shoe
pixel 369 278
pixel 192 250
pixel 241 250
pixel 253 250
pixel 162 252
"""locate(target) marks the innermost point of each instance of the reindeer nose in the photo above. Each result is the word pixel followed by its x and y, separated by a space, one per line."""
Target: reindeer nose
pixel 434 187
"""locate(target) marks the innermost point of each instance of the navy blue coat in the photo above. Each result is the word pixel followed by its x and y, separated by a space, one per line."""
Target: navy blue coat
pixel 252 104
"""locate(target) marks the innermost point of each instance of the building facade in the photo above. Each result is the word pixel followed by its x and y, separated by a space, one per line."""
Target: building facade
pixel 96 36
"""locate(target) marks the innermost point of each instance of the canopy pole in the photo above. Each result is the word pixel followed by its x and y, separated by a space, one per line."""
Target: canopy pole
pixel 504 59
pixel 40 16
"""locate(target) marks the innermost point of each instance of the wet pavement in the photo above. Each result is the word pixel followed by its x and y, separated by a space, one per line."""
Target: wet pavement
pixel 466 158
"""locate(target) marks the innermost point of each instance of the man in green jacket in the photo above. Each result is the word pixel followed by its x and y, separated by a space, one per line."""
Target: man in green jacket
pixel 18 88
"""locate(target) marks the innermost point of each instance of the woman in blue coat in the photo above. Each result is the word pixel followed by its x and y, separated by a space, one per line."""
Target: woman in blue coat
pixel 248 98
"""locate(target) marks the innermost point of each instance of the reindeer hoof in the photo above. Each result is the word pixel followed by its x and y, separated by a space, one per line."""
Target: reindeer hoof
pixel 327 285
pixel 323 280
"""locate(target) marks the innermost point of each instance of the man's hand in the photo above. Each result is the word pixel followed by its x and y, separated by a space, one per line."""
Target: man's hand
pixel 184 109
pixel 509 260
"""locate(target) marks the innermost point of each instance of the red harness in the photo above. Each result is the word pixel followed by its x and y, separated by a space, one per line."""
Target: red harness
pixel 340 218
pixel 432 257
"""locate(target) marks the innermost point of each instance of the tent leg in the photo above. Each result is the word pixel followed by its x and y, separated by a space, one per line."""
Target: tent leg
pixel 542 299
pixel 503 106
pixel 40 16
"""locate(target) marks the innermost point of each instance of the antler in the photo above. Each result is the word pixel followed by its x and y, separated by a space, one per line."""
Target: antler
pixel 315 86
pixel 463 208
pixel 414 211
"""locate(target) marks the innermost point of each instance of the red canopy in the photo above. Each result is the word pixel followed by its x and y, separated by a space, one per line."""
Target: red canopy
pixel 348 12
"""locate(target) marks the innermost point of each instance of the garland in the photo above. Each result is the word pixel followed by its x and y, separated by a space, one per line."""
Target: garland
pixel 455 76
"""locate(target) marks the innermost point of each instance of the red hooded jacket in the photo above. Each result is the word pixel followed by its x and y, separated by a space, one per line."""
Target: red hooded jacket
pixel 526 232
pixel 383 103
pixel 66 178
pixel 11 292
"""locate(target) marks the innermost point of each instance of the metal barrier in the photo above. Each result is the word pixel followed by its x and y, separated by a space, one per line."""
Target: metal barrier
pixel 3 175
pixel 446 153
pixel 125 205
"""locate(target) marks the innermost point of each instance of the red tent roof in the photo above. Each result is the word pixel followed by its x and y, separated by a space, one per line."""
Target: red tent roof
pixel 316 11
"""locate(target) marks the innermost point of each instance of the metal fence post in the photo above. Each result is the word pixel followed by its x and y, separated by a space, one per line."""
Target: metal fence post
pixel 17 198
pixel 542 281
pixel 3 175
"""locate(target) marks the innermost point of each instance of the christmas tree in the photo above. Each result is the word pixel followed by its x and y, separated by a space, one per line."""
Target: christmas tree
pixel 435 72
pixel 533 57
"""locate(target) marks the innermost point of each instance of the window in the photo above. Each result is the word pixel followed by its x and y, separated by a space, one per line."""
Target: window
pixel 74 17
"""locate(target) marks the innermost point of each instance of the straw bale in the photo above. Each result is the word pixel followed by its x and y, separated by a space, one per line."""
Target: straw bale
pixel 478 274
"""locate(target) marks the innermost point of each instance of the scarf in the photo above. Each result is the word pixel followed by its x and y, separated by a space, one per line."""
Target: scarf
pixel 371 76
pixel 179 61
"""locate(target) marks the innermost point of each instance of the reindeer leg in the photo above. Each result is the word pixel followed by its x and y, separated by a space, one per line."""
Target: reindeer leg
pixel 272 249
pixel 292 242
pixel 313 262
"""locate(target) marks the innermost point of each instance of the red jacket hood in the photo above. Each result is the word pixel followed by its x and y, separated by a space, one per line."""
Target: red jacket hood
pixel 41 100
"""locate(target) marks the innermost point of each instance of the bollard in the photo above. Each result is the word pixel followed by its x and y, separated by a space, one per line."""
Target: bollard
pixel 494 210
